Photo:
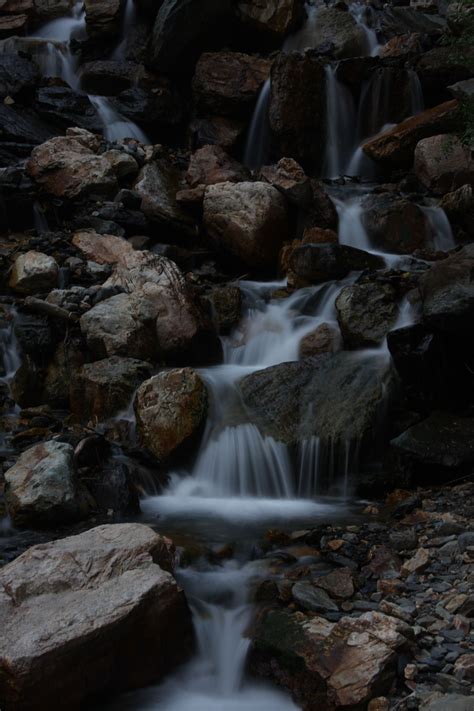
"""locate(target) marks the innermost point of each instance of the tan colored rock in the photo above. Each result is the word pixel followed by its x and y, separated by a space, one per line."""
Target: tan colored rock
pixel 89 615
pixel 13 24
pixel 34 272
pixel 103 17
pixel 289 178
pixel 417 563
pixel 102 249
pixel 339 584
pixel 123 164
pixel 170 408
pixel 443 164
pixel 464 667
pixel 402 45
pixel 395 148
pixel 211 164
pixel 324 339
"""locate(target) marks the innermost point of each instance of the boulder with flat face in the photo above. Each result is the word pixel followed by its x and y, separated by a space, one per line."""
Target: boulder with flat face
pixel 34 272
pixel 103 17
pixel 92 614
pixel 443 164
pixel 395 225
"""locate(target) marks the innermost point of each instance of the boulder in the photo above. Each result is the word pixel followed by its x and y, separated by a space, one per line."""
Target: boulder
pixel 160 107
pixel 395 225
pixel 274 18
pixel 34 272
pixel 339 27
pixel 103 17
pixel 41 488
pixel 441 67
pixel 406 45
pixel 443 164
pixel 289 178
pixel 108 77
pixel 395 148
pixel 104 388
pixel 247 221
pixel 294 401
pixel 227 307
pixel 297 109
pixel 18 76
pixel 89 615
pixel 65 107
pixel 447 292
pixel 23 126
pixel 324 339
pixel 69 167
pixel 211 164
pixel 228 83
pixel 327 665
pixel 183 29
pixel 315 263
pixel 101 249
pixel 366 313
pixel 171 409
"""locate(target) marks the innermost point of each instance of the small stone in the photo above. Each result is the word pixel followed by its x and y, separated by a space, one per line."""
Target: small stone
pixel 416 564
pixel 312 598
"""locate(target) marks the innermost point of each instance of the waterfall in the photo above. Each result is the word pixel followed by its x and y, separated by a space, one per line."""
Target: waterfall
pixel 129 20
pixel 116 126
pixel 416 93
pixel 359 13
pixel 258 139
pixel 441 232
pixel 340 122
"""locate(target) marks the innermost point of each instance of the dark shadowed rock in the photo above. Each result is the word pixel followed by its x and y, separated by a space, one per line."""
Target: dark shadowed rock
pixel 366 313
pixel 289 178
pixel 65 107
pixel 274 18
pixel 18 76
pixel 211 164
pixel 315 263
pixel 394 224
pixel 443 164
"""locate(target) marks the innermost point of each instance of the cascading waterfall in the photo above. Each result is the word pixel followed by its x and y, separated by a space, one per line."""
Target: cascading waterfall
pixel 441 232
pixel 256 149
pixel 360 14
pixel 340 121
pixel 129 19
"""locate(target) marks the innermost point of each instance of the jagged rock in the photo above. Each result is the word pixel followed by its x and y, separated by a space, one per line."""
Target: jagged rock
pixel 184 28
pixel 394 224
pixel 443 164
pixel 289 178
pixel 315 263
pixel 23 126
pixel 102 249
pixel 41 488
pixel 294 401
pixel 227 306
pixel 417 563
pixel 447 292
pixel 366 313
pixel 67 166
pixel 275 18
pixel 103 17
pixel 211 164
pixel 65 107
pixel 324 339
pixel 297 107
pixel 217 130
pixel 171 408
pixel 88 615
pixel 247 221
pixel 440 67
pixel 228 83
pixel 104 388
pixel 402 46
pixel 18 76
pixel 339 584
pixel 322 663
pixel 311 598
pixel 340 28
pixel 34 272
pixel 395 148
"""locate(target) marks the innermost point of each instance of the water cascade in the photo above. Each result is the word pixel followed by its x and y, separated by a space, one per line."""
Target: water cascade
pixel 256 149
pixel 341 123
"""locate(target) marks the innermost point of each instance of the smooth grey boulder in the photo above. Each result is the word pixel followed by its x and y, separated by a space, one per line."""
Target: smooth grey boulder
pixel 89 614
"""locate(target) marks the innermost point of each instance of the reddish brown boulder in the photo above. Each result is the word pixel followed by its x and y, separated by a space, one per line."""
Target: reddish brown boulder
pixel 211 164
pixel 290 179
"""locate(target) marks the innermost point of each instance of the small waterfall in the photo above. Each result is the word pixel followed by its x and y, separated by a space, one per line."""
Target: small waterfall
pixel 129 20
pixel 40 221
pixel 442 234
pixel 9 349
pixel 116 126
pixel 359 12
pixel 340 122
pixel 416 93
pixel 258 139
pixel 352 231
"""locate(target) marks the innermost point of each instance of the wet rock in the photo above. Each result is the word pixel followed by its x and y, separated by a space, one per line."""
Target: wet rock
pixel 103 17
pixel 227 306
pixel 395 148
pixel 228 83
pixel 297 108
pixel 324 339
pixel 68 358
pixel 402 46
pixel 67 166
pixel 104 388
pixel 366 313
pixel 18 76
pixel 289 178
pixel 394 224
pixel 34 335
pixel 171 409
pixel 157 185
pixel 160 107
pixel 34 272
pixel 441 441
pixel 184 28
pixel 211 164
pixel 340 28
pixel 247 221
pixel 443 164
pixel 276 18
pixel 94 613
pixel 447 292
pixel 315 263
pixel 41 488
pixel 313 599
pixel 65 107
pixel 23 127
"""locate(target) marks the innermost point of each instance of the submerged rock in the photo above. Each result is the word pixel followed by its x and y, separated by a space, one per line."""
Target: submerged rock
pixel 171 409
pixel 88 615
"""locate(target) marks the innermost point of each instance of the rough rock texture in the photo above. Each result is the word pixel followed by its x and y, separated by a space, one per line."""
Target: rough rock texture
pixel 443 164
pixel 289 178
pixel 211 164
pixel 340 28
pixel 41 488
pixel 103 17
pixel 171 408
pixel 228 83
pixel 315 263
pixel 34 272
pixel 366 313
pixel 324 339
pixel 395 148
pixel 247 221
pixel 89 614
pixel 102 249
pixel 395 224
pixel 275 18
pixel 104 388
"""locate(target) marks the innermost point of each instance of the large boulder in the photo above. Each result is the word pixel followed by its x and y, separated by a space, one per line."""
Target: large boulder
pixel 395 148
pixel 294 401
pixel 64 107
pixel 228 83
pixel 103 17
pixel 41 488
pixel 341 29
pixel 443 164
pixel 297 108
pixel 272 18
pixel 101 248
pixel 247 221
pixel 106 387
pixel 88 615
pixel 184 28
pixel 366 313
pixel 34 272
pixel 447 292
pixel 315 263
pixel 326 664
pixel 108 77
pixel 70 167
pixel 171 409
pixel 394 224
